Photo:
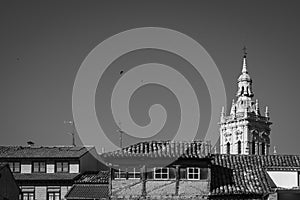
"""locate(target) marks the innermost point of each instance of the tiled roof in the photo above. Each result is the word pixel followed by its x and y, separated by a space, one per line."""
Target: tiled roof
pixel 246 174
pixel 45 176
pixel 94 177
pixel 2 166
pixel 173 149
pixel 88 191
pixel 43 151
pixel 158 188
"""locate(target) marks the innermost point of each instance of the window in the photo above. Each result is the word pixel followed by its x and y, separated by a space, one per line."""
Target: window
pixel 263 149
pixel 39 167
pixel 53 195
pixel 134 173
pixel 119 174
pixel 27 196
pixel 161 173
pixel 239 146
pixel 14 167
pixel 193 173
pixel 203 173
pixel 183 173
pixel 172 173
pixel 228 148
pixel 62 167
pixel 150 175
pixel 253 147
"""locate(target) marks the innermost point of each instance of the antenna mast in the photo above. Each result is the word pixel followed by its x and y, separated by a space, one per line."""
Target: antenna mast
pixel 72 132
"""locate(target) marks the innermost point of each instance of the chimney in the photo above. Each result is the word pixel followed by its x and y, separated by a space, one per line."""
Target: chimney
pixel 30 143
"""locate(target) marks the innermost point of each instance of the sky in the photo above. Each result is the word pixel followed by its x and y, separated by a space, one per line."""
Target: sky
pixel 43 44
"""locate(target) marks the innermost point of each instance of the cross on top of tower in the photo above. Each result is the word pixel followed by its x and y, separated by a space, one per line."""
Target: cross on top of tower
pixel 245 51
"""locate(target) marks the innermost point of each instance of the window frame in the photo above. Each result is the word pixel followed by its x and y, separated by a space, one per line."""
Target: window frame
pixel 62 167
pixel 193 173
pixel 253 147
pixel 161 173
pixel 239 147
pixel 228 146
pixel 13 168
pixel 39 167
pixel 263 148
pixel 27 192
pixel 134 172
pixel 52 192
pixel 119 172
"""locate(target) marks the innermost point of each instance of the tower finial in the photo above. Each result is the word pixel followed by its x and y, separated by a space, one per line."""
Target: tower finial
pixel 245 51
pixel 244 70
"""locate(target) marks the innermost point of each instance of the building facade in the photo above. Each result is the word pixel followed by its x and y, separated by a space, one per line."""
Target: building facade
pixel 245 130
pixel 158 169
pixel 47 173
pixel 188 170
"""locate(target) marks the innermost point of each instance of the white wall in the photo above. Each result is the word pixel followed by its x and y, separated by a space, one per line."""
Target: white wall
pixel 25 168
pixel 74 168
pixel 63 191
pixel 284 179
pixel 41 193
pixel 50 168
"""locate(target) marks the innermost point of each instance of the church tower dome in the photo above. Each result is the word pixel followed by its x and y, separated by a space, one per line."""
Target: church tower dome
pixel 245 130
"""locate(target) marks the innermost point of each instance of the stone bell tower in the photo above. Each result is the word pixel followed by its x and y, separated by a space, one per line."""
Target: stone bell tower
pixel 245 130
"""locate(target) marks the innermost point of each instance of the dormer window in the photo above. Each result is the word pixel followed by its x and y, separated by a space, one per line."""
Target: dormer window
pixel 14 167
pixel 39 167
pixel 134 173
pixel 119 174
pixel 193 173
pixel 161 173
pixel 62 167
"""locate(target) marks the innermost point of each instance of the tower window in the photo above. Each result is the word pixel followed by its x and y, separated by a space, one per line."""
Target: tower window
pixel 239 144
pixel 263 148
pixel 228 148
pixel 253 147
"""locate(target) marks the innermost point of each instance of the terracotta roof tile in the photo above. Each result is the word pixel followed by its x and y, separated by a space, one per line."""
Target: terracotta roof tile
pixel 45 176
pixel 43 151
pixel 88 191
pixel 194 149
pixel 246 174
pixel 94 177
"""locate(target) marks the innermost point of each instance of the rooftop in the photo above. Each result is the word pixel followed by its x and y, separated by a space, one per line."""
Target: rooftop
pixel 43 151
pixel 246 174
pixel 93 178
pixel 87 191
pixel 172 149
pixel 45 176
pixel 90 185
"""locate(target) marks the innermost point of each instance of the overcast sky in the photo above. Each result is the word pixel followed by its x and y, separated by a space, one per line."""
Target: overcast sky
pixel 43 43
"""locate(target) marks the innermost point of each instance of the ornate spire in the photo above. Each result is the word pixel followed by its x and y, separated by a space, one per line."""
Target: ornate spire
pixel 244 80
pixel 244 70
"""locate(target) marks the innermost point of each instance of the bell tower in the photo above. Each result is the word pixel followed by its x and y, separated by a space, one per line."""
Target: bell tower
pixel 245 130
